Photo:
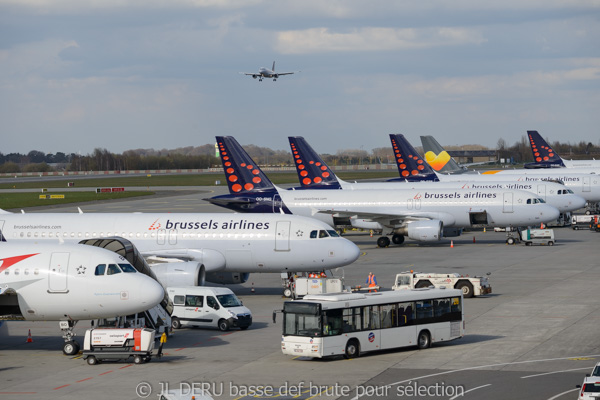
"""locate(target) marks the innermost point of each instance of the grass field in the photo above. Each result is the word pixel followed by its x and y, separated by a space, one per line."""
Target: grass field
pixel 24 200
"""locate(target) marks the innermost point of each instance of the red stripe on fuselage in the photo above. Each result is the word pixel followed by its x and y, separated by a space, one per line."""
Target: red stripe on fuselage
pixel 7 262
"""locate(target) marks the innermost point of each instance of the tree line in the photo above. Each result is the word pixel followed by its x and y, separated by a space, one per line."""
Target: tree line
pixel 203 157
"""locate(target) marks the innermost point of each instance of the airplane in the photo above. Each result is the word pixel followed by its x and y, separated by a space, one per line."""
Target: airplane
pixel 188 249
pixel 70 282
pixel 584 182
pixel 420 214
pixel 438 158
pixel 264 72
pixel 545 157
pixel 314 173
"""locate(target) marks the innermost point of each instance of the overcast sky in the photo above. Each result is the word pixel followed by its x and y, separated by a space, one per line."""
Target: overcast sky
pixel 76 75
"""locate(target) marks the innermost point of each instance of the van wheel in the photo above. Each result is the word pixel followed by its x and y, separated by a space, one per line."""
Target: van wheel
pixel 175 323
pixel 352 349
pixel 467 289
pixel 223 325
pixel 424 340
pixel 576 228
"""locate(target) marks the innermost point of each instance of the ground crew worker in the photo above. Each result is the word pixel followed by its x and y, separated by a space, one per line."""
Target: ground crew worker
pixel 371 282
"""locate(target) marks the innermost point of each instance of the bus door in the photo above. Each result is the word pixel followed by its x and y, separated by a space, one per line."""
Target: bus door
pixel 282 236
pixel 57 273
pixel 508 203
pixel 371 335
pixel 587 180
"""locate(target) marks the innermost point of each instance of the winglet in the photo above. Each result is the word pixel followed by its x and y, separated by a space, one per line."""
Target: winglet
pixel 242 173
pixel 313 172
pixel 410 165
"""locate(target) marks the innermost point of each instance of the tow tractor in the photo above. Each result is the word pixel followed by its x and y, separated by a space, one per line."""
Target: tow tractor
pixel 301 284
pixel 531 236
pixel 103 344
pixel 470 286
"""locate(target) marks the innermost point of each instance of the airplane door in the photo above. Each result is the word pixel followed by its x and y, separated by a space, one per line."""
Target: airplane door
pixel 277 204
pixel 542 191
pixel 282 236
pixel 508 203
pixel 57 273
pixel 161 236
pixel 587 180
pixel 173 236
pixel 417 204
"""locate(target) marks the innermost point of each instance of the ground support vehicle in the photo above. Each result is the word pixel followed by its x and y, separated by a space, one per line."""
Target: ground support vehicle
pixel 583 221
pixel 135 345
pixel 470 286
pixel 538 236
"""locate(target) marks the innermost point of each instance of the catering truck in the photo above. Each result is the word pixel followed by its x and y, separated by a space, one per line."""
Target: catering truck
pixel 102 344
pixel 470 286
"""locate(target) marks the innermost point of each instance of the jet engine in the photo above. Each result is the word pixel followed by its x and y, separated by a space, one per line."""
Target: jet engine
pixel 188 273
pixel 227 278
pixel 424 231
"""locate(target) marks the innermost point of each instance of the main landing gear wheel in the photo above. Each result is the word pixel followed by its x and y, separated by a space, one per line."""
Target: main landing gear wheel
pixel 383 241
pixel 510 240
pixel 398 239
pixel 71 348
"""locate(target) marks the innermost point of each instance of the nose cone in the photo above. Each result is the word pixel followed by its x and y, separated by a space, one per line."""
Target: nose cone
pixel 151 292
pixel 351 251
pixel 549 213
pixel 576 202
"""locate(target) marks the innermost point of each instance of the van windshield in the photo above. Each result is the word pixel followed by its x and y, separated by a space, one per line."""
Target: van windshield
pixel 229 300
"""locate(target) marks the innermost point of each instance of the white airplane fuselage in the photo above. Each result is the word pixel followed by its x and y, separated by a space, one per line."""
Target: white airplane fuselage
pixel 56 282
pixel 221 242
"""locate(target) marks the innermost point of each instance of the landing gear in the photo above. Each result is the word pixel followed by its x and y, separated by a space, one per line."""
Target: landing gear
pixel 383 241
pixel 398 239
pixel 71 347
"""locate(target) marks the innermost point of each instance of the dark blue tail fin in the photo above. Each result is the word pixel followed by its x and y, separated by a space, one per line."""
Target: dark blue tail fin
pixel 313 173
pixel 411 166
pixel 242 174
pixel 543 155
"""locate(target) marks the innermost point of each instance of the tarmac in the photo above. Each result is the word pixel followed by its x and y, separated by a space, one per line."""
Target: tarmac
pixel 534 337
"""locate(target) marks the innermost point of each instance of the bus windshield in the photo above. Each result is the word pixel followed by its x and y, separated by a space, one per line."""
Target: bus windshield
pixel 301 319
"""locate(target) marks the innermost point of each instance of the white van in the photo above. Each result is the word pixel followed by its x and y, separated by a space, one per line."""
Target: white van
pixel 215 307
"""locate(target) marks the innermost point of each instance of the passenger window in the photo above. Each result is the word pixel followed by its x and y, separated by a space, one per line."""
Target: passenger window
pixel 212 302
pixel 179 300
pixel 113 269
pixel 127 268
pixel 194 301
pixel 313 234
pixel 100 269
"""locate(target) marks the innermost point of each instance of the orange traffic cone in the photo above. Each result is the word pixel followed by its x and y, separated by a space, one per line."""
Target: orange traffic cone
pixel 29 339
pixel 371 233
pixel 451 244
pixel 473 239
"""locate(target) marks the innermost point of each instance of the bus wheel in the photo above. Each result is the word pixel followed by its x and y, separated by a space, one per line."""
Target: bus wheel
pixel 424 340
pixel 466 288
pixel 352 349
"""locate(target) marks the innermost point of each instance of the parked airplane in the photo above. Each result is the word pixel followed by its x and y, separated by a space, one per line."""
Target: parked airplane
pixel 315 174
pixel 264 72
pixel 420 214
pixel 216 247
pixel 70 282
pixel 545 157
pixel 584 182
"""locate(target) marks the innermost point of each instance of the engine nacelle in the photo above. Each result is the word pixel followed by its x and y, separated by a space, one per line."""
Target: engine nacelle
pixel 365 224
pixel 424 231
pixel 188 273
pixel 227 278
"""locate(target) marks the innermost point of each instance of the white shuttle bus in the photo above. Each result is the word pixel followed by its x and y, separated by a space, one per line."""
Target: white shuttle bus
pixel 351 323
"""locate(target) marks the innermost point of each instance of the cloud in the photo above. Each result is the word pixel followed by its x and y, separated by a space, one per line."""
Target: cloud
pixel 320 40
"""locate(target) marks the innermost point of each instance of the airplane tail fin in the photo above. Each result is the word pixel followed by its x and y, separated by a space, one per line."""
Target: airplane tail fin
pixel 312 171
pixel 543 155
pixel 273 69
pixel 438 158
pixel 410 165
pixel 242 173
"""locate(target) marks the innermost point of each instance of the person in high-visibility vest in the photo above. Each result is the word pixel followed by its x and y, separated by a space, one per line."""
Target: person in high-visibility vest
pixel 371 282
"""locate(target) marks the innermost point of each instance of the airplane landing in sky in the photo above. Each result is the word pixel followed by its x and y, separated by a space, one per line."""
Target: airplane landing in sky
pixel 70 282
pixel 264 72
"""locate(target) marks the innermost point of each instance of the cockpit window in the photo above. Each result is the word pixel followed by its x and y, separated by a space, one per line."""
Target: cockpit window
pixel 535 201
pixel 127 268
pixel 323 234
pixel 313 234
pixel 333 233
pixel 113 269
pixel 100 269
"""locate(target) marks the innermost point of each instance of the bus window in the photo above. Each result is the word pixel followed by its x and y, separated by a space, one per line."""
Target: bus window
pixel 456 306
pixel 387 312
pixel 371 317
pixel 424 309
pixel 178 300
pixel 332 322
pixel 100 269
pixel 405 314
pixel 351 321
pixel 113 269
pixel 441 307
pixel 313 234
pixel 301 325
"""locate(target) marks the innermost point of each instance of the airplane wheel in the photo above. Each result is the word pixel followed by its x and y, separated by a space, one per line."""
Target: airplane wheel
pixel 71 348
pixel 383 241
pixel 398 239
pixel 287 292
pixel 510 240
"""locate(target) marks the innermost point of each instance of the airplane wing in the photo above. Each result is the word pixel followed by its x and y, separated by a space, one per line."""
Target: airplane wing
pixel 212 260
pixel 393 220
pixel 286 73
